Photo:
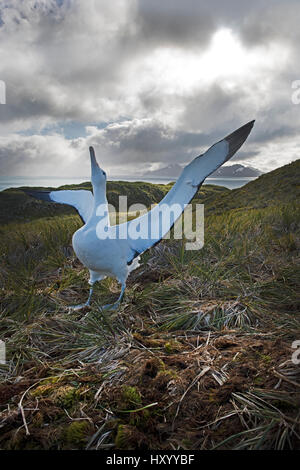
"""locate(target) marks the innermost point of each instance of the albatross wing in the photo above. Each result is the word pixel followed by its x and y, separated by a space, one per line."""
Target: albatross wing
pixel 81 199
pixel 150 226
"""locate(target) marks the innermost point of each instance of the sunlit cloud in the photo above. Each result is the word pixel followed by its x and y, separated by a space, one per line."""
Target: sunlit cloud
pixel 226 59
pixel 149 83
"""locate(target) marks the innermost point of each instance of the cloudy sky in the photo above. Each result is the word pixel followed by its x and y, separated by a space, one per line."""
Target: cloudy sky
pixel 149 83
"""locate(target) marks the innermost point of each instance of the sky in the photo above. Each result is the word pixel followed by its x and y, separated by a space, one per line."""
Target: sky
pixel 148 83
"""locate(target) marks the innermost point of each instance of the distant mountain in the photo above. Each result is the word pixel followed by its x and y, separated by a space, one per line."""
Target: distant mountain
pixel 235 170
pixel 230 171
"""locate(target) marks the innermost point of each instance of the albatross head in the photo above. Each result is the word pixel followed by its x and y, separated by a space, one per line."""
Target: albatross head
pixel 98 176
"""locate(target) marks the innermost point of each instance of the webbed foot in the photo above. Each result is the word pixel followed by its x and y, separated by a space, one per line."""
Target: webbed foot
pixel 86 304
pixel 114 306
pixel 79 306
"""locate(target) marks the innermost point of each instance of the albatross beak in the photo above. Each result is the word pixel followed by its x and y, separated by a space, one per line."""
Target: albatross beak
pixel 94 164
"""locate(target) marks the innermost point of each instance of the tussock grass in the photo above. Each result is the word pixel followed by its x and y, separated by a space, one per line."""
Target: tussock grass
pixel 267 427
pixel 242 285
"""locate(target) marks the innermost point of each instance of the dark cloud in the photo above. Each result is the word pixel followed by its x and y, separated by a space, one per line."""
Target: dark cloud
pixel 243 155
pixel 272 21
pixel 141 143
pixel 210 108
pixel 175 23
pixel 141 66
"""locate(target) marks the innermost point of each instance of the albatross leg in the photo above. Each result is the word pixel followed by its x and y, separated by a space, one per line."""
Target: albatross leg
pixel 94 277
pixel 86 304
pixel 116 304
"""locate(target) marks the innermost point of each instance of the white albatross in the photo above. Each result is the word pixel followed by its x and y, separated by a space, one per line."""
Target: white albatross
pixel 111 250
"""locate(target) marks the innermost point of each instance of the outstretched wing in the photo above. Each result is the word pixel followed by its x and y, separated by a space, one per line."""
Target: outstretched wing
pixel 81 199
pixel 148 229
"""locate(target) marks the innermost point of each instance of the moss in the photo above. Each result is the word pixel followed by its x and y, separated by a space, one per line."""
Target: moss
pixel 258 380
pixel 42 391
pixel 164 371
pixel 66 396
pixel 266 357
pixel 263 357
pixel 168 347
pixel 161 365
pixel 187 443
pixel 163 378
pixel 172 346
pixel 51 380
pixel 48 389
pixel 121 441
pixel 129 438
pixel 169 373
pixel 140 419
pixel 77 432
pixel 131 395
pixel 148 342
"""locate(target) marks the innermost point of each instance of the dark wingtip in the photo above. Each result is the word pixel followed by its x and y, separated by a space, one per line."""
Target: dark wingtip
pixel 43 195
pixel 237 138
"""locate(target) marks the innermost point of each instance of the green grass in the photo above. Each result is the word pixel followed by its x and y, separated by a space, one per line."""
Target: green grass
pixel 243 283
pixel 16 206
pixel 277 187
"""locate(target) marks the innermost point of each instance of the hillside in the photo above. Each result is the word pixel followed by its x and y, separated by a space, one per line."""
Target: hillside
pixel 199 354
pixel 276 187
pixel 15 205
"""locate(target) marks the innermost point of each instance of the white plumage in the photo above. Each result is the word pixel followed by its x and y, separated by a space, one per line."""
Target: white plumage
pixel 112 250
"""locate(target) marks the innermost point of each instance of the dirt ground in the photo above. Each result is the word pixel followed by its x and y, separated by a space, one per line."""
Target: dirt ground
pixel 158 391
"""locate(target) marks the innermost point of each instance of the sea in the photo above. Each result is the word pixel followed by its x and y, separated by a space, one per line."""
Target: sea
pixel 54 181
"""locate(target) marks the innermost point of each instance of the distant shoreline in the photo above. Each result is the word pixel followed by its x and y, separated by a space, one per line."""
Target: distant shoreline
pixel 7 182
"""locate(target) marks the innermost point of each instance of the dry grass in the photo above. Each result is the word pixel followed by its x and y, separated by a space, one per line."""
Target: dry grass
pixel 197 357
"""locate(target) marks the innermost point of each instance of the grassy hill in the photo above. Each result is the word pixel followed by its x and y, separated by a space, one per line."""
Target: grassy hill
pixel 279 186
pixel 199 355
pixel 16 206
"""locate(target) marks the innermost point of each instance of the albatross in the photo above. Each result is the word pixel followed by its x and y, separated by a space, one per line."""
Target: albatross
pixel 114 251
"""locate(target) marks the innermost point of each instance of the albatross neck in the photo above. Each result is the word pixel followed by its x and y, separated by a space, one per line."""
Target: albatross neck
pixel 99 195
